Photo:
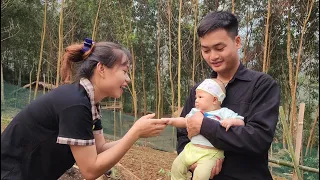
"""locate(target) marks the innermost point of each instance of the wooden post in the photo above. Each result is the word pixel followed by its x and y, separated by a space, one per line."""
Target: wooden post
pixel 270 157
pixel 2 86
pixel 299 137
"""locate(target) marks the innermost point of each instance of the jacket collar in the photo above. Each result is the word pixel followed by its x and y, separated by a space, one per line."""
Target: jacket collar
pixel 242 73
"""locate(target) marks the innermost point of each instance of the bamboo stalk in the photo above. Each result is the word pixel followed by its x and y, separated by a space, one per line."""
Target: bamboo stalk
pixel 2 86
pixel 94 30
pixel 299 137
pixel 289 142
pixel 232 2
pixel 158 64
pixel 288 164
pixel 266 39
pixel 170 67
pixel 60 43
pixel 194 40
pixel 144 89
pixel 44 81
pixel 30 80
pixel 41 48
pixel 179 55
pixel 132 72
pixel 290 65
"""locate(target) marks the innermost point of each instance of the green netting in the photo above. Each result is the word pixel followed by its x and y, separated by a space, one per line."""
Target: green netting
pixel 115 127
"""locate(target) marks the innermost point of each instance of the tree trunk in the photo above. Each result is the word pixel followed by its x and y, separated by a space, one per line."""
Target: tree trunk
pixel 144 90
pixel 244 59
pixel 170 56
pixel 290 64
pixel 299 138
pixel 268 52
pixel 294 82
pixel 179 54
pixel 41 49
pixel 30 81
pixel 44 81
pixel 19 76
pixel 195 5
pixel 158 62
pixel 60 44
pixel 72 22
pixel 202 68
pixel 266 39
pixel 232 6
pixel 94 30
pixel 132 73
pixel 298 63
pixel 289 142
pixel 2 86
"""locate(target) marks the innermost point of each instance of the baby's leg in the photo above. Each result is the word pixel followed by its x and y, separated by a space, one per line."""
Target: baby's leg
pixel 179 168
pixel 182 163
pixel 205 165
pixel 203 169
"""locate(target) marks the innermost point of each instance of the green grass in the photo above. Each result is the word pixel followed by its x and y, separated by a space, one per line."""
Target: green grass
pixel 310 160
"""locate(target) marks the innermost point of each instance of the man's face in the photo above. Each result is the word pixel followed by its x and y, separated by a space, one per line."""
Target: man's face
pixel 220 50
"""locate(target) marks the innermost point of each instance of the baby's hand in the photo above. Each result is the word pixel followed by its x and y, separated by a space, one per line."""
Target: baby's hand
pixel 226 124
pixel 169 120
pixel 178 122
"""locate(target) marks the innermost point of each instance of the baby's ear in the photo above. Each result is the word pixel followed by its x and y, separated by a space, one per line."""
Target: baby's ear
pixel 215 100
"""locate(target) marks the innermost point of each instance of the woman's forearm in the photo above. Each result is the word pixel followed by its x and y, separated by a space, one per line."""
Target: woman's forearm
pixel 93 165
pixel 108 145
pixel 114 152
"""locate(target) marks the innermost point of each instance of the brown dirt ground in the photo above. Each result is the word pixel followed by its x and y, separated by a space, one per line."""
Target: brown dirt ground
pixel 138 163
pixel 144 163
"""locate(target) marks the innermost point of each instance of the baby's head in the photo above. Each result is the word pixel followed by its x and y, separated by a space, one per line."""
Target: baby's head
pixel 210 95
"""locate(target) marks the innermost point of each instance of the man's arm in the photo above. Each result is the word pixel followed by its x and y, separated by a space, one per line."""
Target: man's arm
pixel 182 134
pixel 257 135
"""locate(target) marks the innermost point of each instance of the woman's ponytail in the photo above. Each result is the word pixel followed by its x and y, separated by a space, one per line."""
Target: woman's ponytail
pixel 73 53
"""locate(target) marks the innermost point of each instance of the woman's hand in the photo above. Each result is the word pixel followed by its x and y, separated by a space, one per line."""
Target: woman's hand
pixel 147 127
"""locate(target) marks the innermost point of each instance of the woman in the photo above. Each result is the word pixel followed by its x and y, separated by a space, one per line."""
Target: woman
pixel 63 126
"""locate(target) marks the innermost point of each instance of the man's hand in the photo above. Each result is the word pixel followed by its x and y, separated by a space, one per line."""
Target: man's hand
pixel 194 124
pixel 215 170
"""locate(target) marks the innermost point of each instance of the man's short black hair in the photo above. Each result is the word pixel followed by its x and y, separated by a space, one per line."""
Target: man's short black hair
pixel 218 20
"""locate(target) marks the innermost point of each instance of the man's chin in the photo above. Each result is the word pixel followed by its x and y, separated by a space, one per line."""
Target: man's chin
pixel 219 69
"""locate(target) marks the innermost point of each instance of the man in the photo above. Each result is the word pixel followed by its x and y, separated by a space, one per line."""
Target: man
pixel 253 95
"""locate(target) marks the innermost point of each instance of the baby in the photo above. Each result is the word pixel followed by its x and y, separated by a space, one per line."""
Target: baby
pixel 209 97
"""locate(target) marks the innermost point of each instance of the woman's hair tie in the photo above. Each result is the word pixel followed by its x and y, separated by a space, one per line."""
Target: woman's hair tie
pixel 87 45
